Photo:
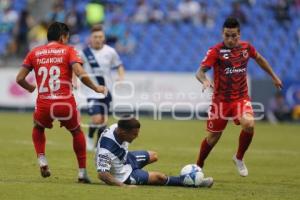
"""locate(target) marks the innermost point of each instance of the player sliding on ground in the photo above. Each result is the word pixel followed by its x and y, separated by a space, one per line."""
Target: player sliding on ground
pixel 118 166
pixel 53 64
pixel 229 60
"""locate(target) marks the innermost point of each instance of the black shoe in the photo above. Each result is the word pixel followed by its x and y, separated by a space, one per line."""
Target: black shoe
pixel 45 172
pixel 85 180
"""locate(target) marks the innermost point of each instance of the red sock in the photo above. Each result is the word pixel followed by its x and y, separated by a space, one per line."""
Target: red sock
pixel 79 147
pixel 39 140
pixel 244 142
pixel 204 151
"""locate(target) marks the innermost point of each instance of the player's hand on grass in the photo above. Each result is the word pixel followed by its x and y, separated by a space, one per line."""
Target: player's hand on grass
pixel 277 82
pixel 206 84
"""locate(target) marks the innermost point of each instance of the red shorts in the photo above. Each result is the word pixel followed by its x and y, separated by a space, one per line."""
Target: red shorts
pixel 221 112
pixel 64 110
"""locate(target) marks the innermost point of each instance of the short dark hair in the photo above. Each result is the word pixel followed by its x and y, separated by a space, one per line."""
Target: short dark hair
pixel 96 28
pixel 56 30
pixel 128 123
pixel 231 22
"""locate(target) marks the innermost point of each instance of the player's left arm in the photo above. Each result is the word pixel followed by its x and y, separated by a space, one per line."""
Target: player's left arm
pixel 264 64
pixel 74 81
pixel 116 63
pixel 107 178
pixel 121 72
pixel 21 80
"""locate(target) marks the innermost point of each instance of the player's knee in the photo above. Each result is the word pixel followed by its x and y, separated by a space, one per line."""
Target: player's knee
pixel 248 126
pixel 153 156
pixel 37 126
pixel 248 129
pixel 98 121
pixel 76 131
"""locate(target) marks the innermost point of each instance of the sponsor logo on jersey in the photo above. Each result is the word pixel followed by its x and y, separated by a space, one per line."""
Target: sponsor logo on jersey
pixel 50 51
pixel 245 53
pixel 231 70
pixel 225 50
pixel 92 59
pixel 226 56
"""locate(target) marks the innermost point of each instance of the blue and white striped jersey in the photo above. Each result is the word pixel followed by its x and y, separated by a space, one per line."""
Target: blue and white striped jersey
pixel 107 59
pixel 111 156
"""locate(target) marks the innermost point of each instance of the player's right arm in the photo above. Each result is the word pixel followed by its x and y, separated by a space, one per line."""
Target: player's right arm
pixel 85 79
pixel 24 71
pixel 200 75
pixel 107 178
pixel 208 61
pixel 104 164
pixel 21 80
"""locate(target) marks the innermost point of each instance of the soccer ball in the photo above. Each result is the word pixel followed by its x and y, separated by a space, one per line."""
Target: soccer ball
pixel 190 168
pixel 193 175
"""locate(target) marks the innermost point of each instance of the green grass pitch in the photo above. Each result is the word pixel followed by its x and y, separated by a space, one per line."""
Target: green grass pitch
pixel 273 161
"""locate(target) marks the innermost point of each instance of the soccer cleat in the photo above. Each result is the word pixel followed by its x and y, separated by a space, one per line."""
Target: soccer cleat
pixel 45 172
pixel 83 177
pixel 89 144
pixel 207 182
pixel 85 180
pixel 44 169
pixel 241 167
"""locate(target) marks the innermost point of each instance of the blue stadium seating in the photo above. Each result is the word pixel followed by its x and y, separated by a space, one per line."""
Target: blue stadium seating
pixel 180 48
pixel 5 37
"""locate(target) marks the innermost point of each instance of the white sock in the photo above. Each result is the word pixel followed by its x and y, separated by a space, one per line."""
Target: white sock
pixel 82 172
pixel 42 160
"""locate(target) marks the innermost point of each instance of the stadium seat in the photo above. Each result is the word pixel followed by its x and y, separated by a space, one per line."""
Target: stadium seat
pixel 169 47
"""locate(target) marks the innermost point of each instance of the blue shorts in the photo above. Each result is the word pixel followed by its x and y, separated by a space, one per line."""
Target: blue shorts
pixel 137 160
pixel 99 106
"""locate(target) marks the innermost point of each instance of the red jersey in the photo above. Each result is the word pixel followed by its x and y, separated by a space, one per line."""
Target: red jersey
pixel 230 70
pixel 52 64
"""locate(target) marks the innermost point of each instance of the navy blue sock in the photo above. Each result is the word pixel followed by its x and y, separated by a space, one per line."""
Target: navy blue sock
pixel 174 181
pixel 92 130
pixel 100 130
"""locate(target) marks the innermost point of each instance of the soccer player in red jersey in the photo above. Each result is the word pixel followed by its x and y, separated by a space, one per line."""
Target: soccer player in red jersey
pixel 53 65
pixel 230 99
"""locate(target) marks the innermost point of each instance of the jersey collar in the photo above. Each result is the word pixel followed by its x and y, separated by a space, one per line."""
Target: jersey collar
pixel 53 42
